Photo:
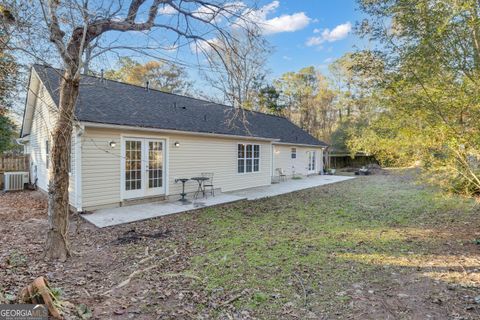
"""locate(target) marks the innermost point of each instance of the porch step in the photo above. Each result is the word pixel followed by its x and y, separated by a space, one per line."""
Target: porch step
pixel 131 202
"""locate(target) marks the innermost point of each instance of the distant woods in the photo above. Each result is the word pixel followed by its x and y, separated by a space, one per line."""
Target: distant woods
pixel 424 107
pixel 161 76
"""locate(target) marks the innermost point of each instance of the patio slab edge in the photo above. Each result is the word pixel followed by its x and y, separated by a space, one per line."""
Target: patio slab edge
pixel 104 218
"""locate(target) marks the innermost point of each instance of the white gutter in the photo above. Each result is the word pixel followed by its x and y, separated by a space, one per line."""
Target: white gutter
pixel 78 133
pixel 205 134
pixel 300 144
pixel 23 140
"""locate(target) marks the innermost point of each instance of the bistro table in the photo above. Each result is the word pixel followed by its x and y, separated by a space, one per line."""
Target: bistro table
pixel 183 194
pixel 201 188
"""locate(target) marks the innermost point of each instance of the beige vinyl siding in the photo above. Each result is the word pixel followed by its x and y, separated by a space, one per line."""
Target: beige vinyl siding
pixel 100 168
pixel 101 164
pixel 282 159
pixel 72 173
pixel 199 154
pixel 43 122
pixel 42 126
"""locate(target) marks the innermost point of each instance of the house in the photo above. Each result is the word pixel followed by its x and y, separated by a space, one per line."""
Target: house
pixel 131 143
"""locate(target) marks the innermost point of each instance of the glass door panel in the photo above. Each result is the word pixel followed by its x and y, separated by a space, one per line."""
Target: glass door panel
pixel 133 177
pixel 143 163
pixel 155 164
pixel 312 161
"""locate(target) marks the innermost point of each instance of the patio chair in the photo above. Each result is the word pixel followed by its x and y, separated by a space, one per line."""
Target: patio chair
pixel 209 182
pixel 281 174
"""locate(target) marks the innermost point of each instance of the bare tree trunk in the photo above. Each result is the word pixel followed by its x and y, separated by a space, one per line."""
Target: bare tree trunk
pixel 88 58
pixel 57 246
pixel 476 37
pixel 71 49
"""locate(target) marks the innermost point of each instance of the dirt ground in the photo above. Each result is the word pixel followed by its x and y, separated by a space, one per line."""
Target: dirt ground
pixel 438 280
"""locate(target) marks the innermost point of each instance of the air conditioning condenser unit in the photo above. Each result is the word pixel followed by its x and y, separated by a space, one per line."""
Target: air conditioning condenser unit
pixel 15 180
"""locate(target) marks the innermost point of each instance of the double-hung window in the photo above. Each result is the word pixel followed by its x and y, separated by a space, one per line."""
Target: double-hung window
pixel 294 153
pixel 47 154
pixel 248 158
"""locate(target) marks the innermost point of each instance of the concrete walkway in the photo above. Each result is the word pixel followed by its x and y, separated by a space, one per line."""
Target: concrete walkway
pixel 288 186
pixel 114 216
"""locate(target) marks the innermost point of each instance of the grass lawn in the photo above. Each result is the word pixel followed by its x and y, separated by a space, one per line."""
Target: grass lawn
pixel 312 250
pixel 376 247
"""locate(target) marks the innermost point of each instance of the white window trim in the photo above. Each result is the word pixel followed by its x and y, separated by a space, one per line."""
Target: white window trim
pixel 245 158
pixel 47 154
pixel 293 153
pixel 166 163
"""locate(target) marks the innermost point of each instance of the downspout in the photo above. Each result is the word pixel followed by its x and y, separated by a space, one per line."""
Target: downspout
pixel 22 142
pixel 79 131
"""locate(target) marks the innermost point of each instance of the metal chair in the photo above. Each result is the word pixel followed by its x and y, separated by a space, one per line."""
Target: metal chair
pixel 209 182
pixel 281 174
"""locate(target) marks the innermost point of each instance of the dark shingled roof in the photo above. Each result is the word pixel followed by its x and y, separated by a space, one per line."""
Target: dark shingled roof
pixel 119 103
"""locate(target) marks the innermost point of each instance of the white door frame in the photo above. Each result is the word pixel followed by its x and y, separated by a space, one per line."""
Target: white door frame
pixel 314 157
pixel 159 190
pixel 144 191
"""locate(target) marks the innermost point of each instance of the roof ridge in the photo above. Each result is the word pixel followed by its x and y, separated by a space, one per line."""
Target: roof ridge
pixel 165 92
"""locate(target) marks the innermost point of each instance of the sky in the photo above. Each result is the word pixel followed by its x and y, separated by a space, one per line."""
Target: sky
pixel 313 33
pixel 302 32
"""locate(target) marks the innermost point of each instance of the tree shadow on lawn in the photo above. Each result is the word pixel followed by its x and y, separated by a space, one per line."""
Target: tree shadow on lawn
pixel 305 252
pixel 418 284
pixel 302 277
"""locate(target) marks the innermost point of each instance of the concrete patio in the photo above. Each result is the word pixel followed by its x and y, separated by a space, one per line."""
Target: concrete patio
pixel 291 185
pixel 115 216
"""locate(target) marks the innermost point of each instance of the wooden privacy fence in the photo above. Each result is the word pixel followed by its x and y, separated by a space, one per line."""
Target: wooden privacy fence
pixel 14 163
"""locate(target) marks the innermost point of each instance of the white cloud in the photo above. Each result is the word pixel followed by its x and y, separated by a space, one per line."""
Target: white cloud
pixel 327 35
pixel 171 48
pixel 270 7
pixel 283 23
pixel 209 12
pixel 203 46
pixel 206 12
pixel 338 33
pixel 167 10
pixel 213 13
pixel 286 23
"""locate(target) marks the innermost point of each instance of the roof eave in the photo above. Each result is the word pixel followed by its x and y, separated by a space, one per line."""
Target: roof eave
pixel 22 130
pixel 301 144
pixel 159 130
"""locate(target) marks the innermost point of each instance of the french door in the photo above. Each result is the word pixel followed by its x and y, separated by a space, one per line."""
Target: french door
pixel 143 168
pixel 312 161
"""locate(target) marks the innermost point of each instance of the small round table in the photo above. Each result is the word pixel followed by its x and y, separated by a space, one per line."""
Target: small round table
pixel 183 194
pixel 200 181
